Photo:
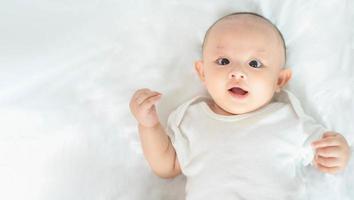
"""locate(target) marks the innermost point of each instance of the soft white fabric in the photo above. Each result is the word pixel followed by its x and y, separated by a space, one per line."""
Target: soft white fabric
pixel 69 68
pixel 256 155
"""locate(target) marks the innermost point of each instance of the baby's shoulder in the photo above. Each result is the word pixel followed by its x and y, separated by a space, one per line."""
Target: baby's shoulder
pixel 177 114
pixel 309 124
pixel 291 101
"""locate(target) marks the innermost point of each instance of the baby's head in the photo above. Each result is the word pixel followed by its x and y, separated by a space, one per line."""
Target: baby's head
pixel 242 65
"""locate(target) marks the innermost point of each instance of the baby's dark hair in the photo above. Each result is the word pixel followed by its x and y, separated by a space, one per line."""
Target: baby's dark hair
pixel 247 13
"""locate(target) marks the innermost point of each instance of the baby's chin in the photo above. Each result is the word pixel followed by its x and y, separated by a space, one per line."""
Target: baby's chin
pixel 229 105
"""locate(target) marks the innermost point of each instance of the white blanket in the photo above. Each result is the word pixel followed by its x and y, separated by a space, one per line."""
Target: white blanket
pixel 69 68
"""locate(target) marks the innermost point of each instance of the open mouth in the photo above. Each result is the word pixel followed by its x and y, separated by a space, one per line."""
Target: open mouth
pixel 238 91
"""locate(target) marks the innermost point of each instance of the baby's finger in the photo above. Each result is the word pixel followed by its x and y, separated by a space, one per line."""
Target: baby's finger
pixel 328 162
pixel 138 93
pixel 328 152
pixel 144 96
pixel 148 103
pixel 326 142
pixel 331 170
pixel 329 134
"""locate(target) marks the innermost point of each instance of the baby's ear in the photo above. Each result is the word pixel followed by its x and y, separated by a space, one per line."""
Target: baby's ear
pixel 198 65
pixel 284 77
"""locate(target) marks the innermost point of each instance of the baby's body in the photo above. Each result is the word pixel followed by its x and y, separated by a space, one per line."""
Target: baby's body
pixel 243 69
pixel 263 153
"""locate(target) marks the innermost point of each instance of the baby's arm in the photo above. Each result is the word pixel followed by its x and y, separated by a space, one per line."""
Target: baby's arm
pixel 332 153
pixel 157 146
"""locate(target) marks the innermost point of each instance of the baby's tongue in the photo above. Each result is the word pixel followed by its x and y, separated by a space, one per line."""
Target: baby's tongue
pixel 238 91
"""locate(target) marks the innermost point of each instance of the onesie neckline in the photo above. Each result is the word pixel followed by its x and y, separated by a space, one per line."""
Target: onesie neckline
pixel 232 118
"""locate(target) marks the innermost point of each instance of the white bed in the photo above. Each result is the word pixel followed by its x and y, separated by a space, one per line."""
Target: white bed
pixel 68 70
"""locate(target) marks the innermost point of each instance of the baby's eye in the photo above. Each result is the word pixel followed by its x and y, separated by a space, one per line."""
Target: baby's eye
pixel 255 64
pixel 222 61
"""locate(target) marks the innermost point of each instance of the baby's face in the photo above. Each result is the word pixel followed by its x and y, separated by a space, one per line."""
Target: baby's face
pixel 242 52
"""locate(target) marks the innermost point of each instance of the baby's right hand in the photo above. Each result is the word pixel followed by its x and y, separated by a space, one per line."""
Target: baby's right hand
pixel 142 106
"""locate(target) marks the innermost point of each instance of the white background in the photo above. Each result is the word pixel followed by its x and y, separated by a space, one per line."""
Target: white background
pixel 69 68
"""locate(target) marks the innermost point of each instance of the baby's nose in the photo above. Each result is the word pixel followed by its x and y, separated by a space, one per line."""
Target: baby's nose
pixel 237 75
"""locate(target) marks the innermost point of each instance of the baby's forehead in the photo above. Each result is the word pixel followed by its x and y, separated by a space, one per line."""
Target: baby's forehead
pixel 246 21
pixel 243 21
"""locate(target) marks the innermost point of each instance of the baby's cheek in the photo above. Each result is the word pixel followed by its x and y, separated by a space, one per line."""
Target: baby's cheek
pixel 214 80
pixel 264 89
pixel 264 85
pixel 214 87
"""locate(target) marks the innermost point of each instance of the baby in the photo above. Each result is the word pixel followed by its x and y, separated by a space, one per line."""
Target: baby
pixel 250 139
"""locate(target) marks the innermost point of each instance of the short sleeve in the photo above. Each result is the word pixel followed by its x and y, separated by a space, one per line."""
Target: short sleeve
pixel 311 129
pixel 179 142
pixel 170 121
pixel 179 138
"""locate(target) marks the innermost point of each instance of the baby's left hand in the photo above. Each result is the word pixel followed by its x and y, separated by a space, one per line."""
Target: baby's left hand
pixel 332 153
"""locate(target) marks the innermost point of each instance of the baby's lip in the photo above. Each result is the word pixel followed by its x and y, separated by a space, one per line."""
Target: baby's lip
pixel 237 86
pixel 238 91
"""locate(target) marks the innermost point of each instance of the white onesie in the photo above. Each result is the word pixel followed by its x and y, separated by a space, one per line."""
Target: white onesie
pixel 254 156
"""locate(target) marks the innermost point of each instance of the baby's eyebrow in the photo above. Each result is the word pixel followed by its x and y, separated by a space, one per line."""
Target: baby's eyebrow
pixel 220 50
pixel 261 51
pixel 222 47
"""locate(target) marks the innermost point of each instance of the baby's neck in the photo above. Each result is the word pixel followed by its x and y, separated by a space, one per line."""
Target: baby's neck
pixel 217 109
